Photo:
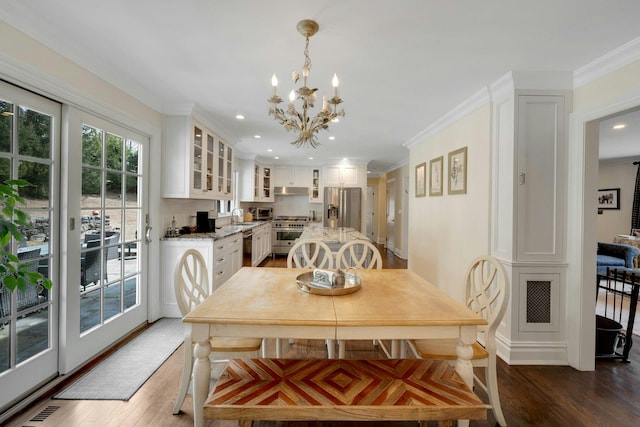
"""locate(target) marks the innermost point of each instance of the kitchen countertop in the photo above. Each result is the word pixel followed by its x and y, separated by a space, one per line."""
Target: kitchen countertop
pixel 332 235
pixel 221 233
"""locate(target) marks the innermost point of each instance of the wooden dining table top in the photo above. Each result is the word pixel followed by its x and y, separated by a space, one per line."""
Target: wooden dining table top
pixel 391 297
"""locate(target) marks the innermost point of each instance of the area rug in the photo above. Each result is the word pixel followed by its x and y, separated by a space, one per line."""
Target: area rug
pixel 120 375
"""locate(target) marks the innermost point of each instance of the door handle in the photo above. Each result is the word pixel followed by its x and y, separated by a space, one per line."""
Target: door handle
pixel 147 229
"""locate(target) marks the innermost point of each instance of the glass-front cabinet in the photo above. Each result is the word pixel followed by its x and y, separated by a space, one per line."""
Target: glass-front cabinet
pixel 225 171
pixel 210 161
pixel 314 191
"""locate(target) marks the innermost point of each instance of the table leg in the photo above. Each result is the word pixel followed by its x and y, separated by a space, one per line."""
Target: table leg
pixel 464 368
pixel 201 371
pixel 395 349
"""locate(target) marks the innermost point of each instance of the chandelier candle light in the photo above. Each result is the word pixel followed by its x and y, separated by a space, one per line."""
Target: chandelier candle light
pixel 292 119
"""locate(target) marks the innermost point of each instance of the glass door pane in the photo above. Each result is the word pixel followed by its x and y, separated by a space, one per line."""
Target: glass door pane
pixel 111 224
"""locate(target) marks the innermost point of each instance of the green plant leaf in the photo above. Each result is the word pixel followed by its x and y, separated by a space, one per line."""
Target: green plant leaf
pixel 9 282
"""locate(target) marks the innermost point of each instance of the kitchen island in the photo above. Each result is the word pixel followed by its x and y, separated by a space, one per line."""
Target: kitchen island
pixel 335 237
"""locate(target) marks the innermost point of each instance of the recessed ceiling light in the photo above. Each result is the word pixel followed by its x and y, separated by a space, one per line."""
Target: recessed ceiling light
pixel 619 126
pixel 239 117
pixel 310 158
pixel 257 136
pixel 277 158
pixel 269 150
pixel 345 159
pixel 368 171
pixel 336 120
pixel 332 138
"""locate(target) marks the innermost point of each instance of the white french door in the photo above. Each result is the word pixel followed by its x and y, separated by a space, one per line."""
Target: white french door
pixel 29 150
pixel 106 293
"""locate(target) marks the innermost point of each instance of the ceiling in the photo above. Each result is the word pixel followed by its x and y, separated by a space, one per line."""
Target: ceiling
pixel 402 65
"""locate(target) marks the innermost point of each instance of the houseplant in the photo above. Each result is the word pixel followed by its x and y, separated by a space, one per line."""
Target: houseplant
pixel 13 273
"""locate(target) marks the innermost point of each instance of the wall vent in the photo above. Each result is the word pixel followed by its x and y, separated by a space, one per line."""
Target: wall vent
pixel 45 413
pixel 538 301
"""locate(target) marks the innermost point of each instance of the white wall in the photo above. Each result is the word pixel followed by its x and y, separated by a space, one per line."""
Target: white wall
pixel 620 175
pixel 447 232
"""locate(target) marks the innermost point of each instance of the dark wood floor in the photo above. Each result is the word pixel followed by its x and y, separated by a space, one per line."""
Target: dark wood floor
pixel 531 395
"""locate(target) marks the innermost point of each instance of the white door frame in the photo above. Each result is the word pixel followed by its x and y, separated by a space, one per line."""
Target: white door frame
pixel 582 223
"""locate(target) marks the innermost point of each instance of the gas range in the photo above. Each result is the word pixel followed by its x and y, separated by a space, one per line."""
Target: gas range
pixel 286 230
pixel 291 222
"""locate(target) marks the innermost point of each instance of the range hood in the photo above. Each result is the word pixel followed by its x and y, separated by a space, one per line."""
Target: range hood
pixel 291 191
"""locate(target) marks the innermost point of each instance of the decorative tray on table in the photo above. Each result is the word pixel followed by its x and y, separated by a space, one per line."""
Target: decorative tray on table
pixel 351 283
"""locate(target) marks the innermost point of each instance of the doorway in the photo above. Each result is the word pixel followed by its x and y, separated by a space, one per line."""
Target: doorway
pixel 582 208
pixel 391 215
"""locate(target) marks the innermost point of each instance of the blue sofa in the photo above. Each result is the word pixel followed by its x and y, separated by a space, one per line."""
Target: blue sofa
pixel 614 255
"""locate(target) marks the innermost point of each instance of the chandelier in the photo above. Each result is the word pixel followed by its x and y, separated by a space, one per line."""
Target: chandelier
pixel 300 121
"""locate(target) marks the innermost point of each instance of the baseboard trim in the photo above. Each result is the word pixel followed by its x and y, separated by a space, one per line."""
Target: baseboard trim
pixel 532 352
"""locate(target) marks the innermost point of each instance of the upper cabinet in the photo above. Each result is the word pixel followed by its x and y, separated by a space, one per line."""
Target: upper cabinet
pixel 315 192
pixel 197 164
pixel 291 176
pixel 343 175
pixel 256 181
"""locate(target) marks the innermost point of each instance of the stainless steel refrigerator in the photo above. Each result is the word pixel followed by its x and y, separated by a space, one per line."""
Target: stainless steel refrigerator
pixel 343 207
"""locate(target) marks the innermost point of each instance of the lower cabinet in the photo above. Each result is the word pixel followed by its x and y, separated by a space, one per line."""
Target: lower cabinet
pixel 227 258
pixel 222 257
pixel 260 244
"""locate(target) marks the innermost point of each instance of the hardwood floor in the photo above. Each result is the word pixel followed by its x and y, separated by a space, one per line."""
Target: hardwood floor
pixel 530 395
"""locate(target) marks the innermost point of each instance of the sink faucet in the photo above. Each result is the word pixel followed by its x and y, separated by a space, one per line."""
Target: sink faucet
pixel 233 217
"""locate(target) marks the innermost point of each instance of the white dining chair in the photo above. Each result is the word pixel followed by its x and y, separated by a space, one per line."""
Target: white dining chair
pixel 310 253
pixel 359 254
pixel 191 287
pixel 487 294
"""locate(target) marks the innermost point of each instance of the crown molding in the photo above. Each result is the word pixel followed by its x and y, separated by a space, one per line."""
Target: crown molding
pixel 607 63
pixel 471 104
pixel 41 83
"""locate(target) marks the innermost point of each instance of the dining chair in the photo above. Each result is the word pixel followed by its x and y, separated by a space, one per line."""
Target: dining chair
pixel 191 286
pixel 487 294
pixel 310 253
pixel 361 254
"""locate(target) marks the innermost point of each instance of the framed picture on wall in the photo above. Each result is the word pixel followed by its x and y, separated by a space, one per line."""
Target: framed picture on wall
pixel 458 171
pixel 609 198
pixel 435 176
pixel 421 171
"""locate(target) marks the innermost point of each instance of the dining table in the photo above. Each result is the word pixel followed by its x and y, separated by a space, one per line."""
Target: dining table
pixel 390 304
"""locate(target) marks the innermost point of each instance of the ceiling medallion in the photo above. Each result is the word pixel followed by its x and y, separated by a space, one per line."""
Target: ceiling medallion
pixel 300 121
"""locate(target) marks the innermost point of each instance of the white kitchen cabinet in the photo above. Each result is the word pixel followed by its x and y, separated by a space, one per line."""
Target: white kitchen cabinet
pixel 260 244
pixel 342 175
pixel 227 258
pixel 291 176
pixel 256 184
pixel 315 189
pixel 197 164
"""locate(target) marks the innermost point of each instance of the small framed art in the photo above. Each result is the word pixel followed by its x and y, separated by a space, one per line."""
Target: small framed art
pixel 458 171
pixel 435 176
pixel 609 198
pixel 421 171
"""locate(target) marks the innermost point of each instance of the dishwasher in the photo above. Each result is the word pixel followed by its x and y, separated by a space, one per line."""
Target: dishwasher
pixel 247 242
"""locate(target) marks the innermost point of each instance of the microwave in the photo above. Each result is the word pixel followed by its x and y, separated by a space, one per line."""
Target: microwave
pixel 263 214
